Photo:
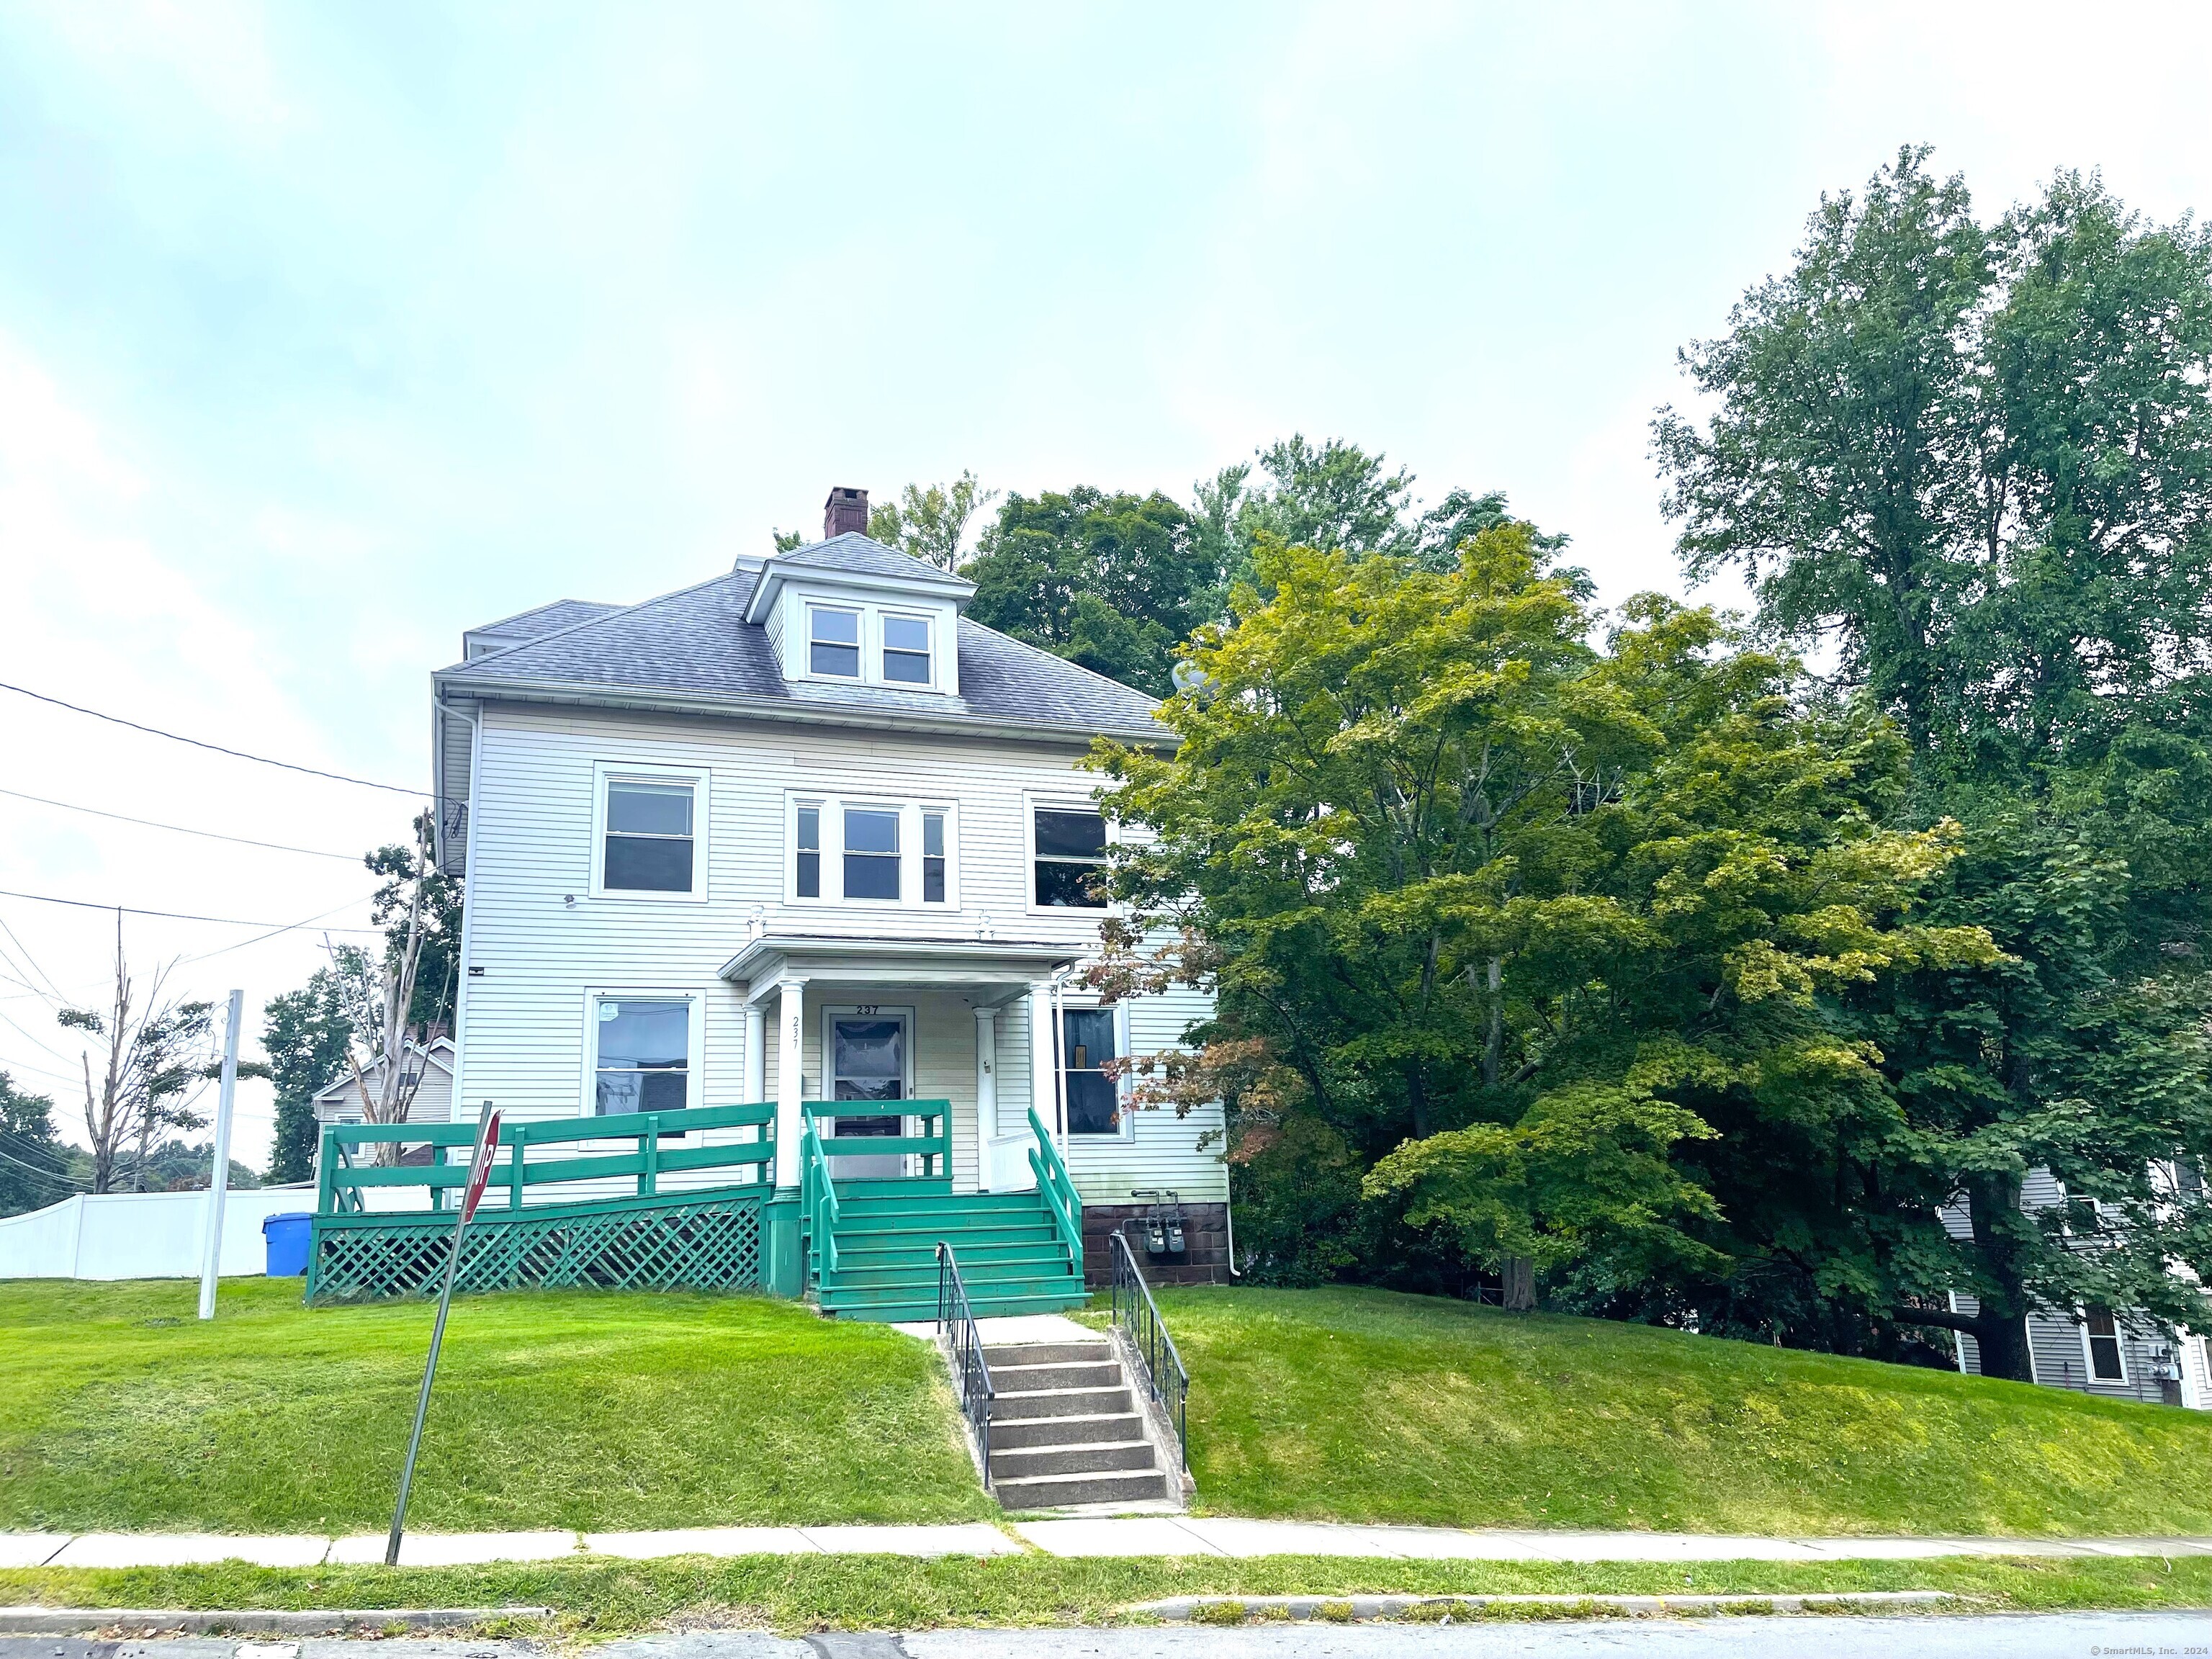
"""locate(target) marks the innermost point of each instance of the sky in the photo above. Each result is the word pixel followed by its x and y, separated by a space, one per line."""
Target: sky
pixel 328 331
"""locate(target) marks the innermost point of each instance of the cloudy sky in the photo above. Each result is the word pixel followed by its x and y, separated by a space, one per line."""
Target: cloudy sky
pixel 328 331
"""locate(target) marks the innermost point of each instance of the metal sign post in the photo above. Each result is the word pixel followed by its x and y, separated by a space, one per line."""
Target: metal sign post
pixel 479 1173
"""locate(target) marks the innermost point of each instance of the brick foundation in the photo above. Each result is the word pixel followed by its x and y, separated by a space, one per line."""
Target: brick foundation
pixel 1205 1259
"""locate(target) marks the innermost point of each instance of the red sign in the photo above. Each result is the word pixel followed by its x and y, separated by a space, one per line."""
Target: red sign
pixel 480 1166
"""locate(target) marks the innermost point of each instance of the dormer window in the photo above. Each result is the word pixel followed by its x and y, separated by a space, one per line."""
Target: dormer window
pixel 834 643
pixel 906 650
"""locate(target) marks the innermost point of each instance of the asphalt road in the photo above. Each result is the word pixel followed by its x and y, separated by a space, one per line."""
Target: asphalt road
pixel 2053 1636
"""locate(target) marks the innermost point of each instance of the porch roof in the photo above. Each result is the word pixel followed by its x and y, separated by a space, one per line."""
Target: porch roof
pixel 835 959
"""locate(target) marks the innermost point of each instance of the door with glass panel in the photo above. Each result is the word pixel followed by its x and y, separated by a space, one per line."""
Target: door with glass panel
pixel 869 1057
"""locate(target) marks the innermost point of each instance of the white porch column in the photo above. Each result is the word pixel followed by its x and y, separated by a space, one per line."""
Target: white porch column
pixel 1044 1059
pixel 987 1094
pixel 756 1053
pixel 790 1077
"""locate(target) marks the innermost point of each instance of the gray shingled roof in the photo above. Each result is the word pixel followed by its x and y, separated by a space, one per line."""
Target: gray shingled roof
pixel 852 551
pixel 541 620
pixel 694 646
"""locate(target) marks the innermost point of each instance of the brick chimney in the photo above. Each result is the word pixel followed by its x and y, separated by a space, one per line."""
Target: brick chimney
pixel 846 509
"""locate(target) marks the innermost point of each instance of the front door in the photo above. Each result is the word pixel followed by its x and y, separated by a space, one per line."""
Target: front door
pixel 871 1058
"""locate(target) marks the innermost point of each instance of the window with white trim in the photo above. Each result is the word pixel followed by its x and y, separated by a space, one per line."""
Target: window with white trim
pixel 2102 1333
pixel 833 642
pixel 871 852
pixel 648 841
pixel 906 650
pixel 641 1054
pixel 1069 847
pixel 1088 1038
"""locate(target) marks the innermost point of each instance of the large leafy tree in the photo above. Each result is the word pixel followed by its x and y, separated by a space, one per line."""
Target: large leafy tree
pixel 34 1165
pixel 1499 923
pixel 1114 582
pixel 305 1034
pixel 1977 458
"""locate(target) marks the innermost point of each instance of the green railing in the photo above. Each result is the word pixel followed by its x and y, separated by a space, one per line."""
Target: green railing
pixel 345 1174
pixel 1058 1191
pixel 934 1149
pixel 818 1199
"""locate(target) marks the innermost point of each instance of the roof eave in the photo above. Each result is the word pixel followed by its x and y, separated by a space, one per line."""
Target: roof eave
pixel 587 694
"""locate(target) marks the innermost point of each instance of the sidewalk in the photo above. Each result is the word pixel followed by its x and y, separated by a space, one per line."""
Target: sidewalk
pixel 1117 1535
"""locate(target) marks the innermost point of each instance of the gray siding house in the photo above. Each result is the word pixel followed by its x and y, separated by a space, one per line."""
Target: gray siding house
pixel 804 831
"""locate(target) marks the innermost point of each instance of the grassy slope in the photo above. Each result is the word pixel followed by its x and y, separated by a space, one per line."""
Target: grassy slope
pixel 1362 1404
pixel 119 1409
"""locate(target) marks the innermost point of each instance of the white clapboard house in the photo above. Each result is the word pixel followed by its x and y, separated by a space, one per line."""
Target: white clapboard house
pixel 804 833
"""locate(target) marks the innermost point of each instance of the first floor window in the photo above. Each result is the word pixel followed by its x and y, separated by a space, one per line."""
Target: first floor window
pixel 2104 1346
pixel 809 874
pixel 1094 1099
pixel 871 853
pixel 1071 856
pixel 649 842
pixel 644 1059
pixel 932 858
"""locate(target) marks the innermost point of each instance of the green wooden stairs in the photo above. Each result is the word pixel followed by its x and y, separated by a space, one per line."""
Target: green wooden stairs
pixel 872 1245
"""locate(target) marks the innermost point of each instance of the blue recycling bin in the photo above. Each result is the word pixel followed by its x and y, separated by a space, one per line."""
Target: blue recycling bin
pixel 287 1234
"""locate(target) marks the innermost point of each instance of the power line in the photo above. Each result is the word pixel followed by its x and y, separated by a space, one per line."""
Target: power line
pixel 59 1000
pixel 235 754
pixel 290 927
pixel 35 1043
pixel 123 817
pixel 176 916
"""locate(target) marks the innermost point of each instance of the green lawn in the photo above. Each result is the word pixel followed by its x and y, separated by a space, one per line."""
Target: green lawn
pixel 120 1410
pixel 1365 1405
pixel 595 1598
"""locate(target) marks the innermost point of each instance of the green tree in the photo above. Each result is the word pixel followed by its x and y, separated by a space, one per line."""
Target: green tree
pixel 930 523
pixel 305 1034
pixel 1494 918
pixel 1114 582
pixel 35 1166
pixel 1979 459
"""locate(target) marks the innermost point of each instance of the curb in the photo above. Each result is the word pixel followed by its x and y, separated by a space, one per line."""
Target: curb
pixel 1354 1609
pixel 68 1621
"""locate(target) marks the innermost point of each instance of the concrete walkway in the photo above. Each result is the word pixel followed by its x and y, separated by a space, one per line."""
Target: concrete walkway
pixel 1113 1535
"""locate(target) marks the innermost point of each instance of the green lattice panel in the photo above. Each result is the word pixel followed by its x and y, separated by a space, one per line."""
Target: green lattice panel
pixel 697 1241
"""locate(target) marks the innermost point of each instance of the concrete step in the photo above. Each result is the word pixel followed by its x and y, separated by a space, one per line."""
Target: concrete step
pixel 1052 1491
pixel 1098 1428
pixel 1088 1457
pixel 1059 1402
pixel 1102 1373
pixel 1048 1353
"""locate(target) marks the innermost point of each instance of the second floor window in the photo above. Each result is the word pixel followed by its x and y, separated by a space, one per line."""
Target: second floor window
pixel 1071 858
pixel 649 841
pixel 833 642
pixel 871 853
pixel 932 858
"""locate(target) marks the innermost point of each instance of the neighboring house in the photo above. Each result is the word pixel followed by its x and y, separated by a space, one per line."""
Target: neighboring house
pixel 2101 1351
pixel 804 832
pixel 340 1100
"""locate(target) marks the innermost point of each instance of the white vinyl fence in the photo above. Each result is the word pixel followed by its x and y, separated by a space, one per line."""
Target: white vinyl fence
pixel 141 1235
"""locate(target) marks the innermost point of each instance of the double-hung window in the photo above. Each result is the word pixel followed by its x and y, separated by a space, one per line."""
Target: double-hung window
pixel 932 858
pixel 871 853
pixel 1088 1038
pixel 833 642
pixel 906 650
pixel 806 878
pixel 650 842
pixel 1071 858
pixel 2103 1334
pixel 642 1055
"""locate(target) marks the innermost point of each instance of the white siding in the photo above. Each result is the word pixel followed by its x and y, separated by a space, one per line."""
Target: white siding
pixel 539 954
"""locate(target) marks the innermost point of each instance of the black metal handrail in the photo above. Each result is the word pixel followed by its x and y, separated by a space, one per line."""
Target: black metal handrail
pixel 1137 1317
pixel 971 1372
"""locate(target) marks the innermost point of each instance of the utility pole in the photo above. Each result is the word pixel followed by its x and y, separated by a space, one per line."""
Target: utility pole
pixel 219 1183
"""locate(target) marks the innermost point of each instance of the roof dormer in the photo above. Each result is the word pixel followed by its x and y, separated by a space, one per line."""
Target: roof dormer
pixel 848 610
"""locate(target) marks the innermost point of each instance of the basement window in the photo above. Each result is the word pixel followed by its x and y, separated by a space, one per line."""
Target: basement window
pixel 2103 1335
